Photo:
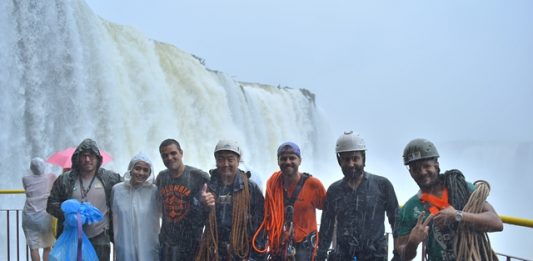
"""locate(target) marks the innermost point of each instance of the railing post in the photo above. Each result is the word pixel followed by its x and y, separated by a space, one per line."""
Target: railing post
pixel 18 239
pixel 387 235
pixel 7 219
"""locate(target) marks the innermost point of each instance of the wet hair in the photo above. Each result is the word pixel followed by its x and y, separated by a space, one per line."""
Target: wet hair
pixel 168 142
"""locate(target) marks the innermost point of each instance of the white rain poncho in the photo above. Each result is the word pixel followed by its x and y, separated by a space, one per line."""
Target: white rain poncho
pixel 36 222
pixel 136 215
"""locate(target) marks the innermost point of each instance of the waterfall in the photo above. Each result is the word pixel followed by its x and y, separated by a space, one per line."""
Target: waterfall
pixel 67 75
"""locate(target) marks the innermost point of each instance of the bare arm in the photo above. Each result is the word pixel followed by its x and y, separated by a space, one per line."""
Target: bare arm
pixel 486 221
pixel 408 244
pixel 407 252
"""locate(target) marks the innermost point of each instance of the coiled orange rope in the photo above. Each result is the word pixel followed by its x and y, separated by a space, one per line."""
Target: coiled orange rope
pixel 274 215
pixel 274 218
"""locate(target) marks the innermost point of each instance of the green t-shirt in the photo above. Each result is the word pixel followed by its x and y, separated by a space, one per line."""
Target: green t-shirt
pixel 440 240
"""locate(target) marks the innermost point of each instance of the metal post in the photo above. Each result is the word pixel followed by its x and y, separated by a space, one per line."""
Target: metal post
pixel 8 254
pixel 18 241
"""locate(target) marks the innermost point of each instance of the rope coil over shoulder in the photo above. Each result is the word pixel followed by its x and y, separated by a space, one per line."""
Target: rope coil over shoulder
pixel 470 244
pixel 277 204
pixel 239 242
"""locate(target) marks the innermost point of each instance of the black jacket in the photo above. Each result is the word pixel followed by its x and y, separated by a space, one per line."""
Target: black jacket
pixel 224 211
pixel 64 186
pixel 360 216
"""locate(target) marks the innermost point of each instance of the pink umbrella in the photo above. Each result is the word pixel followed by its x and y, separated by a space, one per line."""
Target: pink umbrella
pixel 63 158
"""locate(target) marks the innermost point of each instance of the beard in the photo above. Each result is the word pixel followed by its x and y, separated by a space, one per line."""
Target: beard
pixel 353 173
pixel 431 180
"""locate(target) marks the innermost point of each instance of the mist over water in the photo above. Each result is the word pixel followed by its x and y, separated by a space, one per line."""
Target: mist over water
pixel 507 166
pixel 67 74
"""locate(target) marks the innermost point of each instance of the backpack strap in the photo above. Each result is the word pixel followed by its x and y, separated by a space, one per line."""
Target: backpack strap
pixel 290 201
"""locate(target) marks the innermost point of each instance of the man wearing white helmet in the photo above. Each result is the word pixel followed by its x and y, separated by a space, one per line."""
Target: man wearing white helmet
pixel 358 203
pixel 236 208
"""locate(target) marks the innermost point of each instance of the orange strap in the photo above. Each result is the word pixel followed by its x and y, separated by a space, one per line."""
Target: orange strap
pixel 436 203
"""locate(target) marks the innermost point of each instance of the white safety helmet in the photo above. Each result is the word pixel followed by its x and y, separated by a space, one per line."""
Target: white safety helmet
pixel 349 142
pixel 228 145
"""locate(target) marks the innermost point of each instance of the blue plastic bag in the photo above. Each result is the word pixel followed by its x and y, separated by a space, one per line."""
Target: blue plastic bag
pixel 66 247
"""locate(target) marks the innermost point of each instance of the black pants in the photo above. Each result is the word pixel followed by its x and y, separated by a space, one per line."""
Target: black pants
pixel 176 253
pixel 342 256
pixel 102 247
pixel 304 249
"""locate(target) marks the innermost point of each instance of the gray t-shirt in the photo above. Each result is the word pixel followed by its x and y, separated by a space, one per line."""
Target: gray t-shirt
pixel 96 196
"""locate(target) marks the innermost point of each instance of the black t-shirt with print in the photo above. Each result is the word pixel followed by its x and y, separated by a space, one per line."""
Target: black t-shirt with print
pixel 181 208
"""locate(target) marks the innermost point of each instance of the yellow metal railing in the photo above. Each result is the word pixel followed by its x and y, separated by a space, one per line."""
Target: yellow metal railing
pixel 517 221
pixel 505 219
pixel 11 191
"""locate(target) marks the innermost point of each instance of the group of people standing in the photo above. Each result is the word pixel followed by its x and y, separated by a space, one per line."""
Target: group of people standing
pixel 189 214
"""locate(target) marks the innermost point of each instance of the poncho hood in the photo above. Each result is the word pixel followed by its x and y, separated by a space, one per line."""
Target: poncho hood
pixel 141 156
pixel 37 166
pixel 86 145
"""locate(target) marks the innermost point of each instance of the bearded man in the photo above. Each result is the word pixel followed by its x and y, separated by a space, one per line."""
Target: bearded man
pixel 357 203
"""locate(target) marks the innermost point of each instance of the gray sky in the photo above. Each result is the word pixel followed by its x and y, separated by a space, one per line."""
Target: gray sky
pixel 420 68
pixel 449 71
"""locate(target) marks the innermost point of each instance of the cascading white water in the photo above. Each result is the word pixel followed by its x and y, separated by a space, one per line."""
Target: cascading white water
pixel 68 75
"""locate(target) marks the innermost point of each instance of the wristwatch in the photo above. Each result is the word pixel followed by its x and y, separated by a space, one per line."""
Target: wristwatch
pixel 459 216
